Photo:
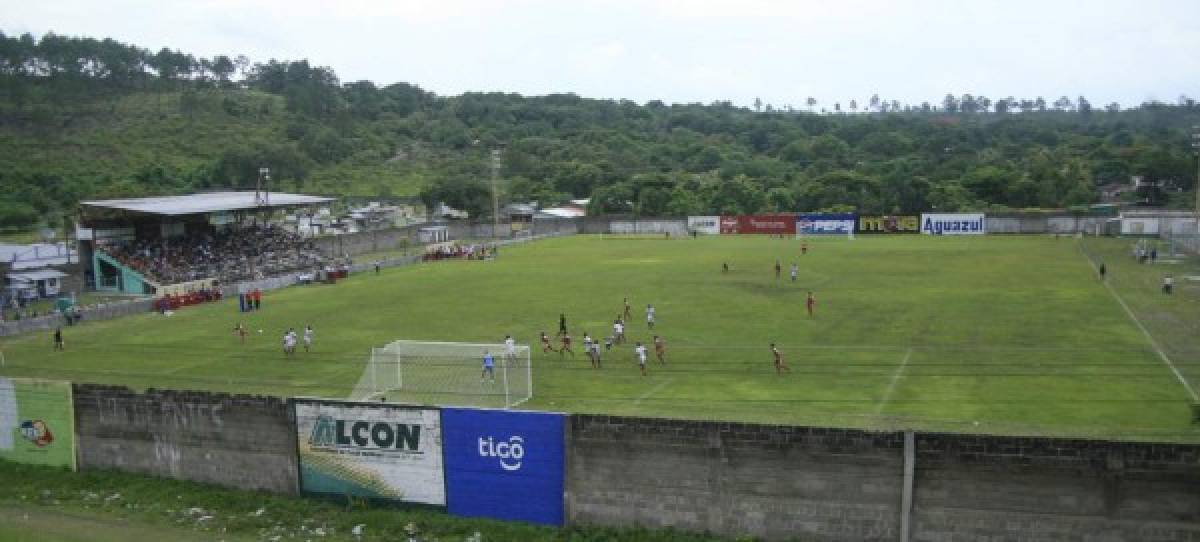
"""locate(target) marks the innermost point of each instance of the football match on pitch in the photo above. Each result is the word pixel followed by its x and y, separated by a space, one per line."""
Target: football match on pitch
pixel 1013 334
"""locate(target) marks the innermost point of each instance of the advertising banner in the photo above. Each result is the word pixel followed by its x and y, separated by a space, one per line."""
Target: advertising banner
pixel 764 224
pixel 952 224
pixel 370 450
pixel 704 224
pixel 37 422
pixel 504 465
pixel 889 224
pixel 826 223
pixel 729 224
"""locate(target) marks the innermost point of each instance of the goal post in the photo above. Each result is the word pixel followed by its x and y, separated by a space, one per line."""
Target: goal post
pixel 446 374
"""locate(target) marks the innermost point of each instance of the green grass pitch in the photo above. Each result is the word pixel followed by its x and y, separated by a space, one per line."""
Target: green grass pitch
pixel 990 334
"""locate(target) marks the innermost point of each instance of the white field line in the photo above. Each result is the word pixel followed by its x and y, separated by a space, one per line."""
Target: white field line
pixel 1157 349
pixel 652 391
pixel 1150 338
pixel 887 396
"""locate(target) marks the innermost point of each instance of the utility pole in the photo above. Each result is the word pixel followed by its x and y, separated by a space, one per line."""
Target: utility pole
pixel 263 188
pixel 495 194
pixel 1196 185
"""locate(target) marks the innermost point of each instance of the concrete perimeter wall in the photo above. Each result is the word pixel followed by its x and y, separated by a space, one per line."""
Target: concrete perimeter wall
pixel 782 483
pixel 972 487
pixel 735 479
pixel 231 440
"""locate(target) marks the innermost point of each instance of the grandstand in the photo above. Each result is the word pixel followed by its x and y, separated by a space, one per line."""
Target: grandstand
pixel 144 245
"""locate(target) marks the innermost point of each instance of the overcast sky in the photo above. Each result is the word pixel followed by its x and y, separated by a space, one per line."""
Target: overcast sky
pixel 684 50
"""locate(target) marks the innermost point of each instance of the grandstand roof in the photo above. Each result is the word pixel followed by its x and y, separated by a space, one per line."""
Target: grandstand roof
pixel 209 202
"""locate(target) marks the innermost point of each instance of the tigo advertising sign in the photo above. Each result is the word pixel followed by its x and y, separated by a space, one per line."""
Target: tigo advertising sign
pixel 370 450
pixel 953 224
pixel 504 464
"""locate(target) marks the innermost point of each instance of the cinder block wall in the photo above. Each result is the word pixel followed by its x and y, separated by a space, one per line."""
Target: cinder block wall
pixel 971 487
pixel 238 441
pixel 735 479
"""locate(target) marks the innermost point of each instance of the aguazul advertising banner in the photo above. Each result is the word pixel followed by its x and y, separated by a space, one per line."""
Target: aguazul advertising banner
pixel 889 224
pixel 759 224
pixel 504 464
pixel 953 224
pixel 370 450
pixel 37 422
pixel 704 224
pixel 826 223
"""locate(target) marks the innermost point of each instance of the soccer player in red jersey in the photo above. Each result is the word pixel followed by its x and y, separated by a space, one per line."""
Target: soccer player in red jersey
pixel 780 366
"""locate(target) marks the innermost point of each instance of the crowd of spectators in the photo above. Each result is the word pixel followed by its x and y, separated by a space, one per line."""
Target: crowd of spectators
pixel 235 254
pixel 450 251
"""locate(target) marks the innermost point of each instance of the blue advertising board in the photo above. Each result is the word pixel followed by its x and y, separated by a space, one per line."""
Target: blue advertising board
pixel 826 223
pixel 504 465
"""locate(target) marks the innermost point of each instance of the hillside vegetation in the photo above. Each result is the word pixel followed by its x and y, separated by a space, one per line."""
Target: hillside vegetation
pixel 83 118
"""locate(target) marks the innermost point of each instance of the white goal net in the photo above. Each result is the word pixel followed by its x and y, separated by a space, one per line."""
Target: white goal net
pixel 446 374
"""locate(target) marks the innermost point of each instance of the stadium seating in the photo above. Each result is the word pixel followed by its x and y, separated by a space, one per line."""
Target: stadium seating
pixel 230 255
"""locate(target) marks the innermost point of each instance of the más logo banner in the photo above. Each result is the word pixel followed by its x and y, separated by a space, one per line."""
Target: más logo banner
pixel 889 224
pixel 825 223
pixel 953 224
pixel 371 450
pixel 504 464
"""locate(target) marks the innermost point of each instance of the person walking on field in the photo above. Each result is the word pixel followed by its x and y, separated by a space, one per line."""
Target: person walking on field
pixel 1103 271
pixel 628 312
pixel 810 303
pixel 780 366
pixel 795 271
pixel 1168 284
pixel 58 340
pixel 778 269
pixel 562 324
pixel 650 316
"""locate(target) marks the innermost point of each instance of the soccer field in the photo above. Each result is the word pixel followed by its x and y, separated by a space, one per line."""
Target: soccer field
pixel 992 334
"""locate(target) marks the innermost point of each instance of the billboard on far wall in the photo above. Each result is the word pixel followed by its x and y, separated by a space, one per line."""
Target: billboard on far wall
pixel 953 224
pixel 371 450
pixel 37 422
pixel 826 223
pixel 705 224
pixel 764 224
pixel 889 224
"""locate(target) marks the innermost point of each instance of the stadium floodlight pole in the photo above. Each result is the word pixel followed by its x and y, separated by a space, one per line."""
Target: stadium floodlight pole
pixel 495 194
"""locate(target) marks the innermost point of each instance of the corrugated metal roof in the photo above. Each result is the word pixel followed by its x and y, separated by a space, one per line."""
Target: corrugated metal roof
pixel 40 274
pixel 205 203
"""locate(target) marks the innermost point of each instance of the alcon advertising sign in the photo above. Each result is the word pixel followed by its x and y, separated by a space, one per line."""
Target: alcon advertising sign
pixel 504 465
pixel 826 223
pixel 953 224
pixel 370 450
pixel 37 422
pixel 889 224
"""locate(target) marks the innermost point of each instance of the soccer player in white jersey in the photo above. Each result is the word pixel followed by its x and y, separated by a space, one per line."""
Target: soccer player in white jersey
pixel 640 350
pixel 510 350
pixel 650 316
pixel 308 338
pixel 618 331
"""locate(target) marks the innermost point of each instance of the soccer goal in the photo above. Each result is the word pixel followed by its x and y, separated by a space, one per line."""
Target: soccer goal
pixel 446 374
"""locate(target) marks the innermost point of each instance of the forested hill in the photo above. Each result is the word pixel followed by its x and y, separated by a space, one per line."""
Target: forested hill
pixel 83 118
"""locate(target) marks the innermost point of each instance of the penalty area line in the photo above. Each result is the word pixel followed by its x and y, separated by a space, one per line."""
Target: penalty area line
pixel 887 396
pixel 652 391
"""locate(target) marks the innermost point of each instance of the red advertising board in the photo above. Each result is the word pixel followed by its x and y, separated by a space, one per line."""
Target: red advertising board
pixel 729 224
pixel 768 224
